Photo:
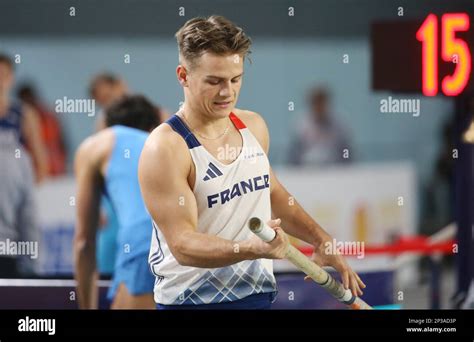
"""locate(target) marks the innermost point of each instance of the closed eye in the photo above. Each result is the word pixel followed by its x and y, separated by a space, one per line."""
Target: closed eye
pixel 216 80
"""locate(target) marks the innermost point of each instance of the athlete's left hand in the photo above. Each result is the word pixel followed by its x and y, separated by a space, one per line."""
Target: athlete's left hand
pixel 350 279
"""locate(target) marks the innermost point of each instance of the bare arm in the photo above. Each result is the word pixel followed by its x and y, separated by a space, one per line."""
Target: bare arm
pixel 89 184
pixel 31 130
pixel 296 222
pixel 163 174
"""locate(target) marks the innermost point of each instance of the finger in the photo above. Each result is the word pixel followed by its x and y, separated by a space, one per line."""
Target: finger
pixel 345 279
pixel 361 283
pixel 278 232
pixel 274 223
pixel 356 285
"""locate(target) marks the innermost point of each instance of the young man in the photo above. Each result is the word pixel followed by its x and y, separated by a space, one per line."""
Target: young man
pixel 205 173
pixel 105 89
pixel 19 124
pixel 107 162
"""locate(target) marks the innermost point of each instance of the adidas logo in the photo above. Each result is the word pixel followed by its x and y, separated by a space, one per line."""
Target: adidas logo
pixel 212 172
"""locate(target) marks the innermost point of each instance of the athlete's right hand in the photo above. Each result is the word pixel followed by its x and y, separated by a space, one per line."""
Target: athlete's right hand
pixel 275 249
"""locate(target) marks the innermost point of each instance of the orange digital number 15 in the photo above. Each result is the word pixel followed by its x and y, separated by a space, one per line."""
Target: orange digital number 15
pixel 453 50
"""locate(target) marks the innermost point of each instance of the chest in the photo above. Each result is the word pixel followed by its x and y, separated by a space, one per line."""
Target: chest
pixel 220 166
pixel 225 150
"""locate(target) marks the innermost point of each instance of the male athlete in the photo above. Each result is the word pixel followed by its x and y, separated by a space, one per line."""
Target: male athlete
pixel 107 162
pixel 200 194
pixel 19 123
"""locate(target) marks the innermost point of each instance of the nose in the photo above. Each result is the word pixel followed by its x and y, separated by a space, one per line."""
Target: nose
pixel 225 90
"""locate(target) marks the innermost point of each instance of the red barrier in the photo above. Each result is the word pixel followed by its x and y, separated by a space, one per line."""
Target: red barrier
pixel 417 244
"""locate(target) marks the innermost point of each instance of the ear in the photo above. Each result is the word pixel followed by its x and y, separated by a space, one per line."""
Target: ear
pixel 182 75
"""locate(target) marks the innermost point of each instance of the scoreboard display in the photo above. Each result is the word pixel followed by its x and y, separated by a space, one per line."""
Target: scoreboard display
pixel 432 55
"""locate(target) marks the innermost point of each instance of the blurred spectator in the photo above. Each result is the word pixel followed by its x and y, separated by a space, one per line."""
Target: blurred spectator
pixel 440 189
pixel 106 88
pixel 319 139
pixel 50 130
pixel 19 123
pixel 17 210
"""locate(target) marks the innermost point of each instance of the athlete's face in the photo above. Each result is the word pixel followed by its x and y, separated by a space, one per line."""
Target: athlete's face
pixel 213 84
pixel 106 93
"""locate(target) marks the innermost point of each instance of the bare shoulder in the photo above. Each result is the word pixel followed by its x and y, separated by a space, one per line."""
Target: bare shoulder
pixel 255 122
pixel 94 149
pixel 164 140
pixel 252 119
pixel 165 147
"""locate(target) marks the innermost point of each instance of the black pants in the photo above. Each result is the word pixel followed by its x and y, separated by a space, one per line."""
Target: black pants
pixel 8 267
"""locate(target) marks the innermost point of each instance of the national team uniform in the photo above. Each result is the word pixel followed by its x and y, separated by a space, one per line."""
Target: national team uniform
pixel 134 232
pixel 227 197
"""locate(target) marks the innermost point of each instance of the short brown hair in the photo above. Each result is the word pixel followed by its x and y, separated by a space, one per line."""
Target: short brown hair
pixel 214 34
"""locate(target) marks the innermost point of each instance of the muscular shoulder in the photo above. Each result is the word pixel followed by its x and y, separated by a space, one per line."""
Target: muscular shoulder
pixel 166 147
pixel 94 150
pixel 256 124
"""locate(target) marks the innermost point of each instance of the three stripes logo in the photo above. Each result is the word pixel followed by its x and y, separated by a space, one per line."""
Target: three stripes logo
pixel 212 172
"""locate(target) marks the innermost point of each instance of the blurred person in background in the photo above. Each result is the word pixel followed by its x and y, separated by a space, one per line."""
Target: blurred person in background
pixel 319 139
pixel 439 193
pixel 105 88
pixel 50 130
pixel 107 163
pixel 20 122
pixel 17 210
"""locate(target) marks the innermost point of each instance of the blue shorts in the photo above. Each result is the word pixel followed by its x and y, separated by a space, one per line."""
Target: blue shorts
pixel 136 276
pixel 259 301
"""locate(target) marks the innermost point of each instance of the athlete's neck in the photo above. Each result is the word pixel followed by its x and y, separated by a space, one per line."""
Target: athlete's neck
pixel 203 123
